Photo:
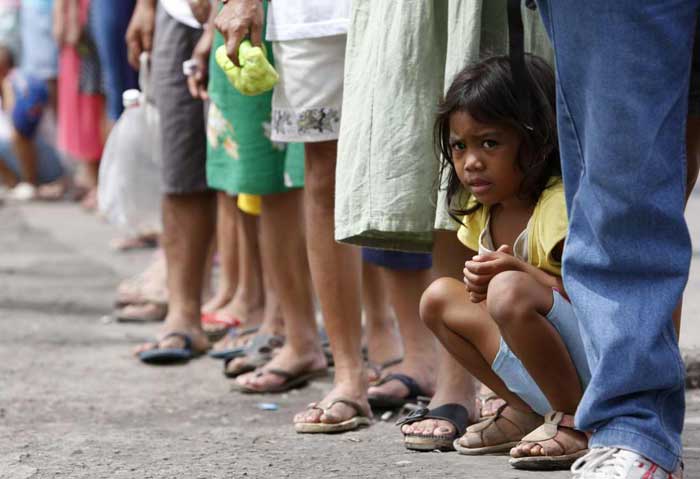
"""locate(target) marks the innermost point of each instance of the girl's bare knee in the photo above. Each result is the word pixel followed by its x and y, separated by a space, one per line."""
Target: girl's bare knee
pixel 433 302
pixel 508 297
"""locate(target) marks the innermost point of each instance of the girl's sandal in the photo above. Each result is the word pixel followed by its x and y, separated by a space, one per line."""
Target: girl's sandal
pixel 497 434
pixel 553 422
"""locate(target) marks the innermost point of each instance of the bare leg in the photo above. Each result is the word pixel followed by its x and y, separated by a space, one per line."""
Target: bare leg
pixel 25 150
pixel 468 333
pixel 693 159
pixel 420 349
pixel 519 304
pixel 227 247
pixel 7 176
pixel 249 299
pixel 336 273
pixel 381 332
pixel 284 247
pixel 454 384
pixel 188 223
pixel 91 173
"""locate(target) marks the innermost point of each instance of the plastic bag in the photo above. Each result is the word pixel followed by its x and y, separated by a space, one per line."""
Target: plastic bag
pixel 130 191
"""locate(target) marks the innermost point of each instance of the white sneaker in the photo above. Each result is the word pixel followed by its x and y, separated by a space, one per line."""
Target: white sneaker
pixel 22 192
pixel 614 463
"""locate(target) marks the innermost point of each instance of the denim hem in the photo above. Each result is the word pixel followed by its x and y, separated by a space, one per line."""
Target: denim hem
pixel 637 442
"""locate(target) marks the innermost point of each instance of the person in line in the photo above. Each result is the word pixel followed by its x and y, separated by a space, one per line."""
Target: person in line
pixel 188 204
pixel 626 196
pixel 81 102
pixel 308 41
pixel 513 328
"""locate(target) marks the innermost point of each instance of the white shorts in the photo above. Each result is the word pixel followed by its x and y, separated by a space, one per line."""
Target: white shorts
pixel 306 103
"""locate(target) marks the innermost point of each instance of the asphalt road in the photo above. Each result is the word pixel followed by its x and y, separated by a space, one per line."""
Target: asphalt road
pixel 75 404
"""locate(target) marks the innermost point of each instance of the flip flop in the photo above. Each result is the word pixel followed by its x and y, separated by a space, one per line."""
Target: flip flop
pixel 361 419
pixel 218 319
pixel 291 380
pixel 258 351
pixel 385 401
pixel 170 355
pixel 455 414
pixel 142 313
pixel 238 351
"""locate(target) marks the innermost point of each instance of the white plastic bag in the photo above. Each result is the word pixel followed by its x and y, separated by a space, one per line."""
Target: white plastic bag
pixel 130 191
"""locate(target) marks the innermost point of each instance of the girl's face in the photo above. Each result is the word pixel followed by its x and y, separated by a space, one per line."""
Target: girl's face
pixel 484 157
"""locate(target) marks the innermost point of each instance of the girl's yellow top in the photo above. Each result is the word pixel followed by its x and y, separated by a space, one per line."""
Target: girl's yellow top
pixel 547 227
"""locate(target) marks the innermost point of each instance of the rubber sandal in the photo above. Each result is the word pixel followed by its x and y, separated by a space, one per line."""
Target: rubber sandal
pixel 258 353
pixel 164 356
pixel 291 380
pixel 385 401
pixel 361 419
pixel 548 432
pixel 488 437
pixel 238 351
pixel 455 414
pixel 142 313
pixel 229 321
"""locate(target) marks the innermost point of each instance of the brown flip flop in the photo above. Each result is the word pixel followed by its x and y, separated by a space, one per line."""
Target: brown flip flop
pixel 361 419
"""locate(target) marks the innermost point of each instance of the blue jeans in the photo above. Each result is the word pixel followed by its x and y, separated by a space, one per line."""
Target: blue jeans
pixel 109 21
pixel 623 70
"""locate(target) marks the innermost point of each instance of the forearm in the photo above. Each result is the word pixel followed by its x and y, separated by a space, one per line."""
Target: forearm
pixel 147 3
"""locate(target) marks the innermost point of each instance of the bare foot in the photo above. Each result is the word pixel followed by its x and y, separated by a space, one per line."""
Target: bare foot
pixel 236 311
pixel 383 347
pixel 286 360
pixel 220 299
pixel 231 341
pixel 488 402
pixel 339 412
pixel 146 286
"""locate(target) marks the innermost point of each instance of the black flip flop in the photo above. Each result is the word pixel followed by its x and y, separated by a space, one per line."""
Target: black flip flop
pixel 455 414
pixel 385 401
pixel 164 356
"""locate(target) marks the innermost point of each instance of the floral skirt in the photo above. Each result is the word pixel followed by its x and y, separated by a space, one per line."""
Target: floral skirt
pixel 241 157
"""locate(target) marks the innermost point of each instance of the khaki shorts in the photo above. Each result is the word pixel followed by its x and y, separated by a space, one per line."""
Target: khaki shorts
pixel 306 103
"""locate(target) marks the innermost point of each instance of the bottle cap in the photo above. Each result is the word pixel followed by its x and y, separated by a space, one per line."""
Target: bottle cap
pixel 131 97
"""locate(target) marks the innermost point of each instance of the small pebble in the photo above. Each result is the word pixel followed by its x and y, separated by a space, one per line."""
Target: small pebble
pixel 387 415
pixel 403 463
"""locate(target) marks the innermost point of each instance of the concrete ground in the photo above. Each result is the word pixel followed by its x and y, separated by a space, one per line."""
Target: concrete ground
pixel 74 403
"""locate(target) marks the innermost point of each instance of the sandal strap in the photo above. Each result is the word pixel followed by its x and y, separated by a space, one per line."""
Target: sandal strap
pixel 455 414
pixel 552 422
pixel 348 402
pixel 414 390
pixel 378 368
pixel 185 338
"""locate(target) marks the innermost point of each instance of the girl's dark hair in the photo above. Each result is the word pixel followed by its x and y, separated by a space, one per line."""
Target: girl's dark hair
pixel 486 92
